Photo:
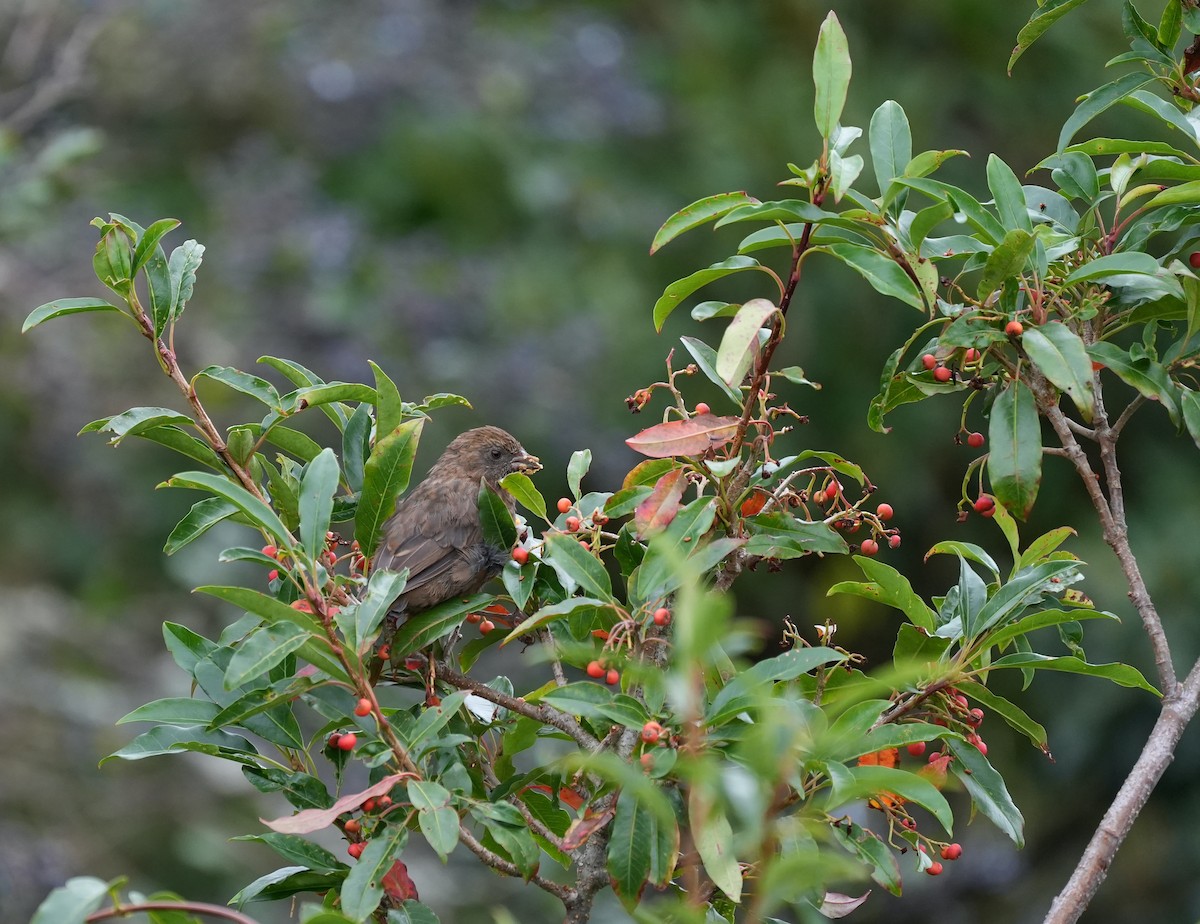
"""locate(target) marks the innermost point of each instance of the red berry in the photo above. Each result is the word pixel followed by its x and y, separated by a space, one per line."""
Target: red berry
pixel 884 512
pixel 985 504
pixel 369 805
pixel 352 826
pixel 916 749
pixel 929 361
pixel 486 626
pixel 662 616
pixel 975 440
pixel 363 707
pixel 647 760
pixel 520 555
pixel 942 373
pixel 573 524
pixel 595 669
pixel 347 741
pixel 702 408
pixel 971 355
pixel 1014 328
pixel 333 740
pixel 951 851
pixel 976 717
pixel 270 551
pixel 473 618
pixel 564 504
pixel 1194 259
pixel 961 700
pixel 613 677
pixel 869 547
pixel 894 541
pixel 832 489
pixel 355 850
pixel 273 574
pixel 385 801
pixel 934 868
pixel 651 732
pixel 979 743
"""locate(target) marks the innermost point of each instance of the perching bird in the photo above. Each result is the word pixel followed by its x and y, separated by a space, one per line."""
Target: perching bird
pixel 435 531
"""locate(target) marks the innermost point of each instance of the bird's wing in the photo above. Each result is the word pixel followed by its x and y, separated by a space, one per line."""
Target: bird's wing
pixel 426 537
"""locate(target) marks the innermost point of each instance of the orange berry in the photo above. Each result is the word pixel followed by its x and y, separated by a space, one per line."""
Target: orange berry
pixel 702 408
pixel 951 851
pixel 520 555
pixel 975 440
pixel 595 669
pixel 473 618
pixel 651 732
pixel 929 361
pixel 369 805
pixel 894 541
pixel 934 868
pixel 1014 328
pixel 355 850
pixel 564 504
pixel 647 761
pixel 662 616
pixel 353 826
pixel 486 626
pixel 985 504
pixel 347 741
pixel 613 677
pixel 942 374
pixel 971 355
pixel 869 547
pixel 573 524
pixel 384 801
pixel 363 707
pixel 884 512
pixel 916 749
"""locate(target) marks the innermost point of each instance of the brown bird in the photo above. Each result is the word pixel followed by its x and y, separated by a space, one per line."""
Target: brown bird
pixel 435 531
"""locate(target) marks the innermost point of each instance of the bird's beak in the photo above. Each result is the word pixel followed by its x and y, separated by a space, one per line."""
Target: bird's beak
pixel 526 464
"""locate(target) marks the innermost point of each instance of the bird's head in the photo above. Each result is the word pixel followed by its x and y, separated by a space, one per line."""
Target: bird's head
pixel 493 453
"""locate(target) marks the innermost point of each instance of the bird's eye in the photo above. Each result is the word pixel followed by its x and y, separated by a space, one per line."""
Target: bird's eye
pixel 496 452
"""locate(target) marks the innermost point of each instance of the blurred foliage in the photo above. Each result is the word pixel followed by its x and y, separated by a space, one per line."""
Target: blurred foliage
pixel 446 170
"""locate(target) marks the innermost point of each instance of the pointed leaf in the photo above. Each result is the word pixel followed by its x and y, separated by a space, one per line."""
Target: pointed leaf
pixel 691 437
pixel 1062 358
pixel 259 513
pixel 831 76
pixel 891 143
pixel 677 291
pixel 385 477
pixel 883 273
pixel 64 306
pixel 706 358
pixel 698 213
pixel 1015 460
pixel 520 486
pixel 739 345
pixel 317 487
pixel 576 564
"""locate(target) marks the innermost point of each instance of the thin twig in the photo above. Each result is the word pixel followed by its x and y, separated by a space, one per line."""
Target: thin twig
pixel 498 863
pixel 212 911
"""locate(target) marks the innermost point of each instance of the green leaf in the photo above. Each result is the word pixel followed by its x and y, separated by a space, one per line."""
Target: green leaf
pixel 739 345
pixel 1046 15
pixel 434 623
pixel 1020 592
pixel 359 623
pixel 866 845
pixel 389 409
pixel 261 650
pixel 569 607
pixel 181 268
pixel 440 827
pixel 632 836
pixel 73 902
pixel 1099 100
pixel 966 550
pixel 1148 377
pixel 1183 194
pixel 259 513
pixel 1013 714
pixel 577 467
pixel 1015 461
pixel 1121 674
pixel 987 790
pixel 677 291
pixel 706 358
pixel 499 528
pixel 1010 198
pixel 167 739
pixel 866 781
pixel 780 535
pixel 925 221
pixel 520 486
pixel 795 210
pixel 831 76
pixel 698 213
pixel 659 574
pixel 883 273
pixel 356 446
pixel 713 836
pixel 252 385
pixel 578 567
pixel 284 883
pixel 174 710
pixel 741 691
pixel 385 477
pixel 135 421
pixel 185 444
pixel 412 912
pixel 363 889
pixel 891 588
pixel 1116 264
pixel 149 240
pixel 203 516
pixel 1006 261
pixel 891 143
pixel 64 306
pixel 317 487
pixel 269 608
pixel 297 850
pixel 1062 358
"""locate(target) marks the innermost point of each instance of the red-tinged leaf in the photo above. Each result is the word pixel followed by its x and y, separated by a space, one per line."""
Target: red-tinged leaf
pixel 583 828
pixel 647 472
pixel 691 437
pixel 659 509
pixel 836 905
pixel 310 820
pixel 697 214
pixel 399 886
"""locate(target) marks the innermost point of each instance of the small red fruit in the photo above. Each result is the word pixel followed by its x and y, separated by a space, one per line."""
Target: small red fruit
pixel 916 749
pixel 273 574
pixel 473 618
pixel 1014 328
pixel 573 524
pixel 486 626
pixel 894 541
pixel 651 732
pixel 869 547
pixel 333 740
pixel 985 504
pixel 369 805
pixel 347 741
pixel 1194 259
pixel 270 551
pixel 564 504
pixel 934 868
pixel 595 669
pixel 942 374
pixel 385 801
pixel 929 361
pixel 951 851
pixel 647 760
pixel 352 826
pixel 976 716
pixel 520 555
pixel 971 355
pixel 702 408
pixel 979 743
pixel 363 707
pixel 662 616
pixel 613 677
pixel 884 512
pixel 355 850
pixel 975 440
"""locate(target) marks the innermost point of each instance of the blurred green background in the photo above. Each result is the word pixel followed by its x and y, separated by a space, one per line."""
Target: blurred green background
pixel 465 193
